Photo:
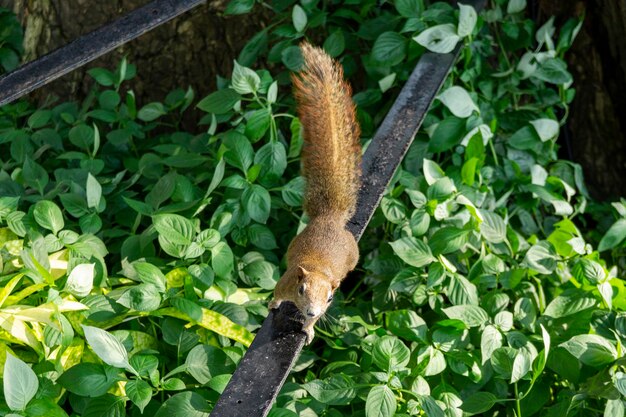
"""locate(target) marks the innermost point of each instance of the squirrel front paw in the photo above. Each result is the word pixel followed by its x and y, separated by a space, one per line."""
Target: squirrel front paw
pixel 274 304
pixel 310 334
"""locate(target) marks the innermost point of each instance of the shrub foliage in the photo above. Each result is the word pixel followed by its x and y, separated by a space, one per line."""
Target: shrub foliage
pixel 137 259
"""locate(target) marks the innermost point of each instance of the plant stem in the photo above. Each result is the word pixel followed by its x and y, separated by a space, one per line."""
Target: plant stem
pixel 518 405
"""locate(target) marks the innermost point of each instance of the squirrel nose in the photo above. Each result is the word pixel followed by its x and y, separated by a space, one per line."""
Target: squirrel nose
pixel 312 312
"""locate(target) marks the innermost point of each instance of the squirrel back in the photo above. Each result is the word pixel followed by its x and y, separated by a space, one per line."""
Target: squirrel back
pixel 331 156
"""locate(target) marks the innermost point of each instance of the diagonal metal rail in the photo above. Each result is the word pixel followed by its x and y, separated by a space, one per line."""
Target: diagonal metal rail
pixel 85 49
pixel 266 365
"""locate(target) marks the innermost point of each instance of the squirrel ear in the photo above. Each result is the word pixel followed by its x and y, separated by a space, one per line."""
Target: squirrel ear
pixel 302 273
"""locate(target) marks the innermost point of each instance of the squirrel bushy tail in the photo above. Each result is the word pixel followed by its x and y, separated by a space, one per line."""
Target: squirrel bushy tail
pixel 331 156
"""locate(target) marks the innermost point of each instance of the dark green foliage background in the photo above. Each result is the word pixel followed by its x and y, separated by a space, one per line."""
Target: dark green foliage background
pixel 483 287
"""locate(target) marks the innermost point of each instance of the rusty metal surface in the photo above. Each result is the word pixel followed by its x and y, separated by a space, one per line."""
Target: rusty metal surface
pixel 265 366
pixel 89 47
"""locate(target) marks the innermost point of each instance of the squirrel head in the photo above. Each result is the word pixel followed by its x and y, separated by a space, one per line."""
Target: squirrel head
pixel 314 293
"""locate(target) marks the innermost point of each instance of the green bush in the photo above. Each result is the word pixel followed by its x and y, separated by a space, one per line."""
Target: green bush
pixel 137 259
pixel 11 37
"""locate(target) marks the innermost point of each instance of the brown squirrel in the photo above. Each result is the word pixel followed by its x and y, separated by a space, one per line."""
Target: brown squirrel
pixel 319 258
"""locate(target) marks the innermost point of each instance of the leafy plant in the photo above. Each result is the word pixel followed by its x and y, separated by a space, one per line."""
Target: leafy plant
pixel 137 259
pixel 11 37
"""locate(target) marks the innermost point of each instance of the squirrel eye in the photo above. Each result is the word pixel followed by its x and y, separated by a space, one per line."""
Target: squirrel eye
pixel 330 298
pixel 301 289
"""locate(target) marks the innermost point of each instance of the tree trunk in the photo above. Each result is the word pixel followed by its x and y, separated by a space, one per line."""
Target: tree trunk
pixel 190 50
pixel 598 63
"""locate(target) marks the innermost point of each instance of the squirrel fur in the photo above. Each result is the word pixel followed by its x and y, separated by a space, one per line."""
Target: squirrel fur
pixel 320 257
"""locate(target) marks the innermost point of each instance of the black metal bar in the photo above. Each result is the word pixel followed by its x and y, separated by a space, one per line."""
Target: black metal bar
pixel 394 136
pixel 89 47
pixel 265 366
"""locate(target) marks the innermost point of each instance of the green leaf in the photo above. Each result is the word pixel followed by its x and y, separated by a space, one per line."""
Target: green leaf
pixel 407 324
pixel 94 191
pixel 272 157
pixel 258 123
pixel 380 402
pixel 471 315
pixel 458 100
pixel 256 200
pixel 440 39
pixel 204 362
pixel 525 138
pixel 39 119
pixel 553 70
pixel 222 259
pixel 620 382
pixel 541 258
pixel 49 216
pixel 293 192
pixel 151 112
pixel 109 99
pixel 547 129
pixel 20 383
pixel 261 237
pixel 568 303
pixel 143 297
pixel 389 48
pixel 521 365
pixel 479 402
pixel 390 354
pixel 108 405
pixel 412 251
pixel 614 236
pixel 174 384
pixel 515 6
pixel 393 209
pixel 219 102
pixel 419 222
pixel 448 240
pixel 236 7
pixel 432 171
pixel 591 349
pixel 386 82
pixel 245 80
pixel 292 58
pixel 490 340
pixel 614 408
pixel 139 392
pixel 337 390
pixel 88 379
pixel 467 20
pixel 430 406
pixel 107 347
pixel 299 18
pixel 175 228
pixel 590 270
pixel 102 76
pixel 335 44
pixel 35 176
pixel 8 205
pixel 240 153
pixel 492 227
pixel 82 136
pixel 409 8
pixel 80 281
pixel 43 407
pixel 447 134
